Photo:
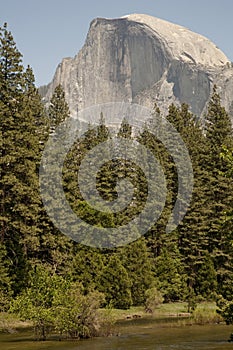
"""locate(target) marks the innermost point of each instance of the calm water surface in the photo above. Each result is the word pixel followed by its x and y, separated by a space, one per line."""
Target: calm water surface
pixel 137 335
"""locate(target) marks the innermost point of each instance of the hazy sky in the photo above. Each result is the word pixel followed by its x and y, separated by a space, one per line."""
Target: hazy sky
pixel 48 30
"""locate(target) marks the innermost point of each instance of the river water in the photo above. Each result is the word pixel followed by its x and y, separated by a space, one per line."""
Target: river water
pixel 134 335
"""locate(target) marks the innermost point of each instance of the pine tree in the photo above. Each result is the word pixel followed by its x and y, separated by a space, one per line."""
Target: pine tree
pixel 88 265
pixel 218 135
pixel 5 282
pixel 192 232
pixel 125 130
pixel 58 109
pixel 19 160
pixel 157 236
pixel 55 248
pixel 137 262
pixel 170 274
pixel 116 284
pixel 218 126
pixel 226 227
pixel 11 76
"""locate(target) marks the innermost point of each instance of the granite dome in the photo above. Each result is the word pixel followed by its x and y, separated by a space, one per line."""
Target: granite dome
pixel 182 42
pixel 142 59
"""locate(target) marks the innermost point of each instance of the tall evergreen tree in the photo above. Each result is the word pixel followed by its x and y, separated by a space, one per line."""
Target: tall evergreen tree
pixel 19 160
pixel 220 199
pixel 115 283
pixel 170 274
pixel 138 264
pixel 55 248
pixel 58 109
pixel 88 265
pixel 192 232
pixel 157 236
pixel 226 227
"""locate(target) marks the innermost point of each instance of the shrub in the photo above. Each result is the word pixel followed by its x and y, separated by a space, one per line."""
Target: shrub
pixel 53 303
pixel 153 299
pixel 226 310
pixel 77 315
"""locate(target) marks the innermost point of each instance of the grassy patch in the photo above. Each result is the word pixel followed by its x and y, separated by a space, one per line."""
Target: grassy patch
pixel 205 313
pixel 10 322
pixel 164 310
pixel 171 309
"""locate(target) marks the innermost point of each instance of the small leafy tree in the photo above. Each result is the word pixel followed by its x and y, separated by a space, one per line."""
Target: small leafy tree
pixel 227 313
pixel 35 302
pixel 153 299
pixel 51 302
pixel 191 300
pixel 76 315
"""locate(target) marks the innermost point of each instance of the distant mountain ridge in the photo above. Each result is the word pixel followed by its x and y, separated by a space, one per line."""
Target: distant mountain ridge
pixel 143 59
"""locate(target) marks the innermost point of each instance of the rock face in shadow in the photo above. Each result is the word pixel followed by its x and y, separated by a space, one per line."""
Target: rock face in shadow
pixel 189 84
pixel 142 59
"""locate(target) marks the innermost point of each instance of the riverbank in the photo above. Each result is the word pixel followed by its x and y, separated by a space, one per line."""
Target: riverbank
pixel 136 334
pixel 10 323
pixel 205 313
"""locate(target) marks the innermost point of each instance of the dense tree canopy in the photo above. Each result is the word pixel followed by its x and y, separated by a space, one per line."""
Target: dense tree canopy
pixel 194 261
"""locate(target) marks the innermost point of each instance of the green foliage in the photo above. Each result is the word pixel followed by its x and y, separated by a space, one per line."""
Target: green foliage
pixel 227 230
pixel 5 282
pixel 138 264
pixel 88 265
pixel 191 300
pixel 218 125
pixel 156 237
pixel 206 280
pixel 20 109
pixel 76 315
pixel 153 299
pixel 4 265
pixel 227 156
pixel 225 309
pixel 205 314
pixel 219 135
pixel 58 109
pixel 116 284
pixel 169 272
pixel 52 302
pixel 195 262
pixel 36 301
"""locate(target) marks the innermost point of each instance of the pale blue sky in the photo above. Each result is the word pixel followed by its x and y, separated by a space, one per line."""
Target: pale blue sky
pixel 48 30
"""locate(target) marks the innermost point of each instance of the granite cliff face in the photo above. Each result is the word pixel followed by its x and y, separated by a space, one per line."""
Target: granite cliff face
pixel 142 59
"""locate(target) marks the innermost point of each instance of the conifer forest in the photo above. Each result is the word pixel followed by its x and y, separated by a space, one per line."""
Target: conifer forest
pixel 49 278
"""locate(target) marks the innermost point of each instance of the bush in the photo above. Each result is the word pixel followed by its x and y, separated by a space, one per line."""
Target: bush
pixel 53 303
pixel 205 315
pixel 108 320
pixel 77 315
pixel 225 310
pixel 153 299
pixel 5 299
pixel 35 302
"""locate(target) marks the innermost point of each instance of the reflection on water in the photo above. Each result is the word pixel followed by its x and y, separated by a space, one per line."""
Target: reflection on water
pixel 135 335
